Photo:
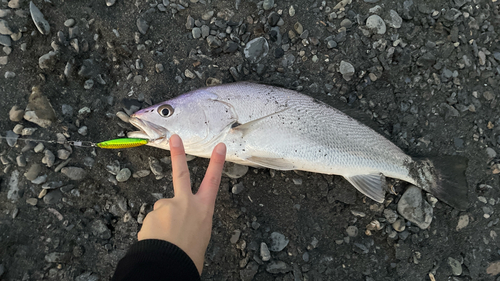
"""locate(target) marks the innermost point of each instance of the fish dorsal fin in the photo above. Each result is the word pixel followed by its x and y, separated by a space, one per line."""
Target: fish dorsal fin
pixel 249 126
pixel 371 185
pixel 272 163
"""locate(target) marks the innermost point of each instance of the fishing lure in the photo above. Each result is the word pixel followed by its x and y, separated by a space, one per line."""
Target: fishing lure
pixel 122 143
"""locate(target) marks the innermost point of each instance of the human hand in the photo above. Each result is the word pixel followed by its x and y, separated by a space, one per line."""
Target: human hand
pixel 186 219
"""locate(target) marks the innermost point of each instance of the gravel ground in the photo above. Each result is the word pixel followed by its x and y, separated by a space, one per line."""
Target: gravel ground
pixel 426 73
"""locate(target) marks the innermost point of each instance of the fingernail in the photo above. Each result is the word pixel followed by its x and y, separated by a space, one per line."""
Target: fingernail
pixel 220 149
pixel 175 141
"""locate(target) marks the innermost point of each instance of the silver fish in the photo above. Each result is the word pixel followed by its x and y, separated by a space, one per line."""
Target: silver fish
pixel 266 126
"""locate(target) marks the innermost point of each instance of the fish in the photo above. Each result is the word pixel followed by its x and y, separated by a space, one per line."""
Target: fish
pixel 277 128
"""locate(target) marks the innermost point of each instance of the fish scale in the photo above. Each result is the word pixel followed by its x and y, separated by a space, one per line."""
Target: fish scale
pixel 266 126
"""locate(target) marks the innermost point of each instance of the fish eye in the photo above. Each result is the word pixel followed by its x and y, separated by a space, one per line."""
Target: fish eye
pixel 165 110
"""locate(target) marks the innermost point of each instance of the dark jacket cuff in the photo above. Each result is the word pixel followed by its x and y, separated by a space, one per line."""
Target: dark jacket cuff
pixel 154 259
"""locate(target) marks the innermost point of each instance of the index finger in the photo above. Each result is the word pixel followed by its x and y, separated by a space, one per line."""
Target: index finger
pixel 180 171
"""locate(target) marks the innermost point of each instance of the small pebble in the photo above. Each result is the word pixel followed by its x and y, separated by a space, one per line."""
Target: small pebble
pixel 32 201
pixel 237 188
pixel 83 130
pixel 123 175
pixel 291 11
pixel 141 174
pixel 16 114
pixel 234 170
pixel 352 231
pixel 33 172
pixel 69 23
pixel 74 173
pixel 39 147
pixel 11 138
pixel 21 161
pixel 110 3
pixel 377 23
pixel 235 237
pixel 18 129
pixel 52 197
pixel 264 252
pixel 40 180
pixel 63 154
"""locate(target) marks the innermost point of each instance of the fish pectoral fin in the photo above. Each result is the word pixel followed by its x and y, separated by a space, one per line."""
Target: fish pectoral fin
pixel 272 163
pixel 251 125
pixel 371 185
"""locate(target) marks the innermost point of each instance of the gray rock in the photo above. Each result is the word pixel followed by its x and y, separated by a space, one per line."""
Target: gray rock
pixel 88 84
pixel 4 60
pixel 33 172
pixel 413 208
pixel 100 229
pixel 189 22
pixel 496 55
pixel 113 168
pixel 426 60
pixel 249 272
pixel 196 32
pixel 278 242
pixel 21 161
pixel 205 31
pixel 213 42
pixel 5 40
pixel 83 130
pixel 13 192
pixel 234 171
pixel 110 3
pixel 456 267
pixel 5 28
pixel 376 23
pixel 331 44
pixel 90 276
pixel 399 225
pixel 74 173
pixel 256 49
pixel 18 129
pixel 390 215
pixel 208 15
pixel 63 154
pixel 32 201
pixel 69 22
pixel 41 24
pixel 264 252
pixel 39 180
pixel 52 197
pixel 268 4
pixel 156 168
pixel 48 60
pixel 237 188
pixel 235 237
pixel 491 152
pixel 276 267
pixel 123 175
pixel 54 257
pixel 346 68
pixel 142 25
pixel 49 158
pixel 141 174
pixel 9 74
pixel 352 231
pixel 11 138
pixel 394 21
pixel 159 68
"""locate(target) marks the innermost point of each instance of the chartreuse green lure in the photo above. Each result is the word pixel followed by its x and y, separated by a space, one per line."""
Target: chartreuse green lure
pixel 122 143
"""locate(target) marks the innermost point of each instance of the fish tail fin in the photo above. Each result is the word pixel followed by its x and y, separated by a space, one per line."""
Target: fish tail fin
pixel 444 177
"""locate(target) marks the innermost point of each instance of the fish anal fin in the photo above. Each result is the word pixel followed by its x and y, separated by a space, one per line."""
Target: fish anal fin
pixel 371 185
pixel 272 163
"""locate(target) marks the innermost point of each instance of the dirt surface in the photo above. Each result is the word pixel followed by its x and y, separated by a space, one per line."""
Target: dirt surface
pixel 429 82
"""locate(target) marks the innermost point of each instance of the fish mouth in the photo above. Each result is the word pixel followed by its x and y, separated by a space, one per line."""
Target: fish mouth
pixel 148 130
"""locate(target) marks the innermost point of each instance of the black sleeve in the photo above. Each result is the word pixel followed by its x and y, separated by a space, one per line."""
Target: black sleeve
pixel 155 260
